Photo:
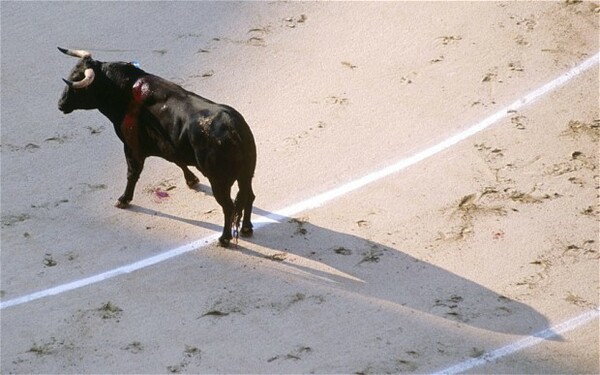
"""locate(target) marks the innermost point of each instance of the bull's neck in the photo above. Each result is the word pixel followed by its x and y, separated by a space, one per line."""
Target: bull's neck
pixel 115 91
pixel 114 112
pixel 115 105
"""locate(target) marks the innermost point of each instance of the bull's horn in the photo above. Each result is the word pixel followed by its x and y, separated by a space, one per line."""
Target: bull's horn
pixel 85 82
pixel 75 52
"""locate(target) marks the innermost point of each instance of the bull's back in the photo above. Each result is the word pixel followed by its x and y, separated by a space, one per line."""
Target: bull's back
pixel 210 135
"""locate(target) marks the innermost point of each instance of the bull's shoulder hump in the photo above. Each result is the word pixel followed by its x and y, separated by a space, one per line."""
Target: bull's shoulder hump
pixel 159 83
pixel 151 89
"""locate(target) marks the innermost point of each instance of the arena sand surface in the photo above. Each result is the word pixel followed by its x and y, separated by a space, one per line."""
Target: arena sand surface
pixel 485 243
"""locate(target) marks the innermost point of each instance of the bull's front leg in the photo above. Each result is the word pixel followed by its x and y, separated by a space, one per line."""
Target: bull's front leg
pixel 134 169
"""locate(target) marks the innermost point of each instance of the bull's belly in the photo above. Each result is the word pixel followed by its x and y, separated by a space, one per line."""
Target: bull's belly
pixel 179 159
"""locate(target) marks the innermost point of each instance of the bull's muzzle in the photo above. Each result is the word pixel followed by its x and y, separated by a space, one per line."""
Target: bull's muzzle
pixel 63 108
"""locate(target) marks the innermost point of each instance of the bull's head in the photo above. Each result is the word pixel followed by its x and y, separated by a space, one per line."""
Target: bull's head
pixel 79 94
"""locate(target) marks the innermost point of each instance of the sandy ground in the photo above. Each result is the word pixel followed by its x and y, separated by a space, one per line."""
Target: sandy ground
pixel 485 243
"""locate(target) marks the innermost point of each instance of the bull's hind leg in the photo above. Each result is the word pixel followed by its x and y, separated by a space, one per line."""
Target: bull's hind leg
pixel 243 206
pixel 222 193
pixel 190 178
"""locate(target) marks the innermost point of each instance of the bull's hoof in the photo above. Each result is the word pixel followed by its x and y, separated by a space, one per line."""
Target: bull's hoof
pixel 247 231
pixel 224 241
pixel 192 183
pixel 122 204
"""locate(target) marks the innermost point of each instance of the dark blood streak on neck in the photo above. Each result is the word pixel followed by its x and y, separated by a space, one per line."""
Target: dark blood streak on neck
pixel 130 123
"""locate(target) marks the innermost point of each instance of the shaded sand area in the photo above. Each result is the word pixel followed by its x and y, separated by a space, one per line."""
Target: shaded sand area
pixel 474 248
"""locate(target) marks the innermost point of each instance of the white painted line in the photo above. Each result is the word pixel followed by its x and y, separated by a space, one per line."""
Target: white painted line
pixel 322 198
pixel 325 197
pixel 522 344
pixel 147 262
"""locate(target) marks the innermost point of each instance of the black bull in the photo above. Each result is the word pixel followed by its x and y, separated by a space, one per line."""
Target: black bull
pixel 155 117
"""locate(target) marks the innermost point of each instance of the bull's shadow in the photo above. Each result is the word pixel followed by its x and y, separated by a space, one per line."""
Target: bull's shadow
pixel 381 272
pixel 389 274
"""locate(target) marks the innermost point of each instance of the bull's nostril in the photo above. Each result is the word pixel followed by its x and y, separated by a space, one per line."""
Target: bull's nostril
pixel 61 107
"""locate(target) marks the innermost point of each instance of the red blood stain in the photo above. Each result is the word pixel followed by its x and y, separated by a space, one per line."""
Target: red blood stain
pixel 160 195
pixel 130 123
pixel 140 90
pixel 498 235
